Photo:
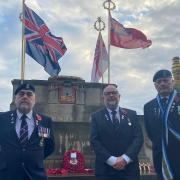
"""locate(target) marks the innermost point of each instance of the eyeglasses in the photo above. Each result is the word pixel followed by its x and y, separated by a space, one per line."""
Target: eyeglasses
pixel 28 93
pixel 111 92
pixel 164 80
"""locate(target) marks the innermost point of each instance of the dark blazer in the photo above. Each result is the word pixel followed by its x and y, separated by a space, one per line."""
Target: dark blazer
pixel 153 125
pixel 107 141
pixel 15 160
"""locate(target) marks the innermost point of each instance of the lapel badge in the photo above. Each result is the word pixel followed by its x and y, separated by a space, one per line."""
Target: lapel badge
pixel 12 118
pixel 129 122
pixel 178 108
pixel 125 115
pixel 172 108
pixel 155 110
pixel 106 116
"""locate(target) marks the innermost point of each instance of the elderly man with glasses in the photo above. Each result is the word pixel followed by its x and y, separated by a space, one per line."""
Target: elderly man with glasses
pixel 162 122
pixel 26 139
pixel 116 138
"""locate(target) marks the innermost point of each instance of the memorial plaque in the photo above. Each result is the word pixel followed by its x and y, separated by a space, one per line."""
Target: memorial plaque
pixel 67 95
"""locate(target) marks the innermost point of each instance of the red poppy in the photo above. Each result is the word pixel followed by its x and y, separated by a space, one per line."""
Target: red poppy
pixel 38 117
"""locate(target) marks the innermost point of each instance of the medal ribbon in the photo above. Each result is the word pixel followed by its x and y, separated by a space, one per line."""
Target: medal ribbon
pixel 166 169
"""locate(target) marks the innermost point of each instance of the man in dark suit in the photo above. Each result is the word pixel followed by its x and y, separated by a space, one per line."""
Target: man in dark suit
pixel 116 138
pixel 26 139
pixel 162 122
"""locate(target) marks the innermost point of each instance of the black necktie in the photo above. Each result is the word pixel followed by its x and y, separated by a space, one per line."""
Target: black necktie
pixel 164 102
pixel 23 131
pixel 115 121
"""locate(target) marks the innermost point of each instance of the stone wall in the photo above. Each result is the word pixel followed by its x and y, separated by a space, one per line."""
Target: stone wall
pixel 70 102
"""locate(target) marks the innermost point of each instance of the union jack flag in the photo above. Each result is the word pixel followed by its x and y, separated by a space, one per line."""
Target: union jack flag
pixel 41 45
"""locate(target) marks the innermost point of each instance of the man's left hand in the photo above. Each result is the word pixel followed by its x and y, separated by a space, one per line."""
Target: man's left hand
pixel 120 163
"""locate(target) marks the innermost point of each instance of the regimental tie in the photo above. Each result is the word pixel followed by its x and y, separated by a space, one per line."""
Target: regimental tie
pixel 115 120
pixel 23 131
pixel 164 102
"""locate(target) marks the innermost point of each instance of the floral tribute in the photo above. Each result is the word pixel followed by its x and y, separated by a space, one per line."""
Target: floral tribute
pixel 73 162
pixel 77 167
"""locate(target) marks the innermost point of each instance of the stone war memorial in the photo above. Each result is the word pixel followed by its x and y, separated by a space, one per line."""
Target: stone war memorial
pixel 70 101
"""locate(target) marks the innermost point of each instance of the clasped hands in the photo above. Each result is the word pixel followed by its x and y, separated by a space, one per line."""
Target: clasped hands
pixel 120 163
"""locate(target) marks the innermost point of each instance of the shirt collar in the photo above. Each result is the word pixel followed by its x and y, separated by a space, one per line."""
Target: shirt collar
pixel 29 115
pixel 167 97
pixel 109 110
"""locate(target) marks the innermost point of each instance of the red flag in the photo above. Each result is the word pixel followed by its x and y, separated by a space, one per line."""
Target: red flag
pixel 100 63
pixel 128 38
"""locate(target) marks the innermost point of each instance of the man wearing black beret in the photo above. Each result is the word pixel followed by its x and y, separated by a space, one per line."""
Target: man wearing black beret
pixel 26 139
pixel 162 122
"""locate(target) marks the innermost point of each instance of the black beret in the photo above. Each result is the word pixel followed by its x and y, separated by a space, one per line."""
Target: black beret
pixel 24 87
pixel 163 73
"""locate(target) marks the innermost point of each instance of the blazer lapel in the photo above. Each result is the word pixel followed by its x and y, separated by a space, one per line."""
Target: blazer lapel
pixel 34 133
pixel 107 119
pixel 12 122
pixel 124 117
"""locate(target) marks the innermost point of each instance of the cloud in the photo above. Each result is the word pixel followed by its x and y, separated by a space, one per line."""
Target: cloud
pixel 131 70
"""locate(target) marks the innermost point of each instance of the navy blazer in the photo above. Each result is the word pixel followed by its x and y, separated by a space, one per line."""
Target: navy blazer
pixel 153 125
pixel 107 140
pixel 16 160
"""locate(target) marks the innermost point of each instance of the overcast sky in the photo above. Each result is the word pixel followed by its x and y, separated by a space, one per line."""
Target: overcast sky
pixel 73 20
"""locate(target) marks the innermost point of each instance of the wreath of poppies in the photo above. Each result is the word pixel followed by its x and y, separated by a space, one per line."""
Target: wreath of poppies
pixel 73 168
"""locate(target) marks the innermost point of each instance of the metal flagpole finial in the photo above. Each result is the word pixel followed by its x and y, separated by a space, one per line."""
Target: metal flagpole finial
pixel 99 25
pixel 109 5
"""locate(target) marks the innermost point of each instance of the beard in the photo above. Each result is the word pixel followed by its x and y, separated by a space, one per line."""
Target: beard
pixel 24 108
pixel 112 104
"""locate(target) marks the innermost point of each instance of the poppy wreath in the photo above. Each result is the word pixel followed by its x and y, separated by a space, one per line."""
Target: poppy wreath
pixel 73 168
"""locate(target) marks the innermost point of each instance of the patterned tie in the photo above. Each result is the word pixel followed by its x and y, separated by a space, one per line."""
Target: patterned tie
pixel 115 121
pixel 23 131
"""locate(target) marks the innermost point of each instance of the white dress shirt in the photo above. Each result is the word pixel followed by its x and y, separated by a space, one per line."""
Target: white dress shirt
pixel 29 120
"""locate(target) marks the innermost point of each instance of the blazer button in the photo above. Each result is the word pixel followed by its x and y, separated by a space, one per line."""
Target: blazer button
pixel 23 149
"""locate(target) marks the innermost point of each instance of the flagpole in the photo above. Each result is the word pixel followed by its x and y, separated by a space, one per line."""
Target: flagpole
pixel 109 5
pixel 109 44
pixel 99 27
pixel 23 43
